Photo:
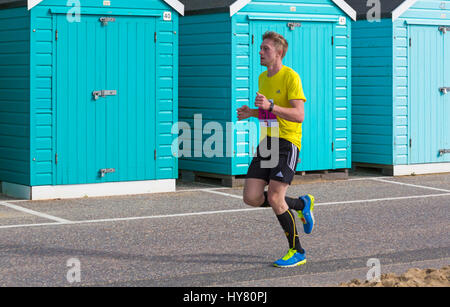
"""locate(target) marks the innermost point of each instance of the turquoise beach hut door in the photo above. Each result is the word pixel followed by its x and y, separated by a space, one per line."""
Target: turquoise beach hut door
pixel 105 99
pixel 310 54
pixel 429 104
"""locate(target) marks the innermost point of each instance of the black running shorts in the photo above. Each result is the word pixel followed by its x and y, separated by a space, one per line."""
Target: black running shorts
pixel 282 170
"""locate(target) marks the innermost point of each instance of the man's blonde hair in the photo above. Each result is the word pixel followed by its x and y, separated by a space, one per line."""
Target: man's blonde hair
pixel 278 40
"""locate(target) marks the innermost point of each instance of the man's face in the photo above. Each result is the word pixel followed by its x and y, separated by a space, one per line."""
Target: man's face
pixel 269 54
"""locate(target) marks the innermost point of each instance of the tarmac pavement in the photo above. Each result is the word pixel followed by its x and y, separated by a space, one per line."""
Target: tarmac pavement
pixel 205 236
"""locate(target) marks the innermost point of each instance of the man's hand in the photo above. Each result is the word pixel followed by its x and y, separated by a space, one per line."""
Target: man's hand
pixel 261 102
pixel 244 112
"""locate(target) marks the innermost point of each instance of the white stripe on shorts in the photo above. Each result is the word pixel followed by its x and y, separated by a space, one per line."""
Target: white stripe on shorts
pixel 293 157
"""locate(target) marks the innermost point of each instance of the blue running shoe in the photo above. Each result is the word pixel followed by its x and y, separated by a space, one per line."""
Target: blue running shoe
pixel 306 215
pixel 292 259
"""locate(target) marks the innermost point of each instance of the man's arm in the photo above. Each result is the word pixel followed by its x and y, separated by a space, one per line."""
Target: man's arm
pixel 245 112
pixel 295 114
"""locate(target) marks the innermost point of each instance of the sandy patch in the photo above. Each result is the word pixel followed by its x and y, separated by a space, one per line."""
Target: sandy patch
pixel 412 278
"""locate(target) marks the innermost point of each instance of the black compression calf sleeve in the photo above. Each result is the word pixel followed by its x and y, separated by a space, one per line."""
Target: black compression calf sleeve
pixel 287 222
pixel 295 203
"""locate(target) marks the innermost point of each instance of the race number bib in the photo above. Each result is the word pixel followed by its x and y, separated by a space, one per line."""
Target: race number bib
pixel 267 119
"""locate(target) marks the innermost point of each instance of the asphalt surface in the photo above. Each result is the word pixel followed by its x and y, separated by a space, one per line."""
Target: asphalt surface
pixel 205 236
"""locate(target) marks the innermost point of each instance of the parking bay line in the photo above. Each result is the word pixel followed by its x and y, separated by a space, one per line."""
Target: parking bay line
pixel 381 199
pixel 212 189
pixel 10 201
pixel 66 222
pixel 133 218
pixel 32 212
pixel 224 194
pixel 411 185
pixel 354 201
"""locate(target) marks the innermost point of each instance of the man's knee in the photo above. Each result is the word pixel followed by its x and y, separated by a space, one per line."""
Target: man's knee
pixel 254 192
pixel 275 198
pixel 253 200
pixel 277 202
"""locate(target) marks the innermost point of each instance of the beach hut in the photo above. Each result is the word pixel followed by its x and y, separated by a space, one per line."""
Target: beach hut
pixel 401 81
pixel 88 97
pixel 219 69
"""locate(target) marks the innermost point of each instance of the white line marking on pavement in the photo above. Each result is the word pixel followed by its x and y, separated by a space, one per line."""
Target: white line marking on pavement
pixel 353 201
pixel 167 216
pixel 15 200
pixel 411 185
pixel 224 194
pixel 149 194
pixel 32 212
pixel 135 218
pixel 199 190
pixel 381 199
pixel 32 225
pixel 214 212
pixel 366 178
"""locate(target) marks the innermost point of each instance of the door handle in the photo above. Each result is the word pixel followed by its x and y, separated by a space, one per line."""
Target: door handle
pixel 105 20
pixel 443 151
pixel 444 29
pixel 293 25
pixel 103 93
pixel 444 90
pixel 104 171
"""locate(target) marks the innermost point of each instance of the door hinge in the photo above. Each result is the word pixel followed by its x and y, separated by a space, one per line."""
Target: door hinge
pixel 332 146
pixel 332 40
pixel 56 35
pixel 410 143
pixel 409 42
pixel 156 37
pixel 253 39
pixel 155 154
pixel 56 158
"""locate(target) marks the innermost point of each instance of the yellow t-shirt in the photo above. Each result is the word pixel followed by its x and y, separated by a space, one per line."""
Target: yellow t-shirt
pixel 284 86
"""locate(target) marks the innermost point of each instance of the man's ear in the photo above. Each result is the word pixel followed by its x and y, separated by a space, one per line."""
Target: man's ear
pixel 280 52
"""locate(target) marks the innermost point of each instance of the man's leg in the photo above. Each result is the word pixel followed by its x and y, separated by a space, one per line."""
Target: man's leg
pixel 285 172
pixel 254 196
pixel 276 194
pixel 296 255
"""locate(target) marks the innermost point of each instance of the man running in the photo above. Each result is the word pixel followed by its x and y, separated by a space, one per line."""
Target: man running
pixel 280 102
